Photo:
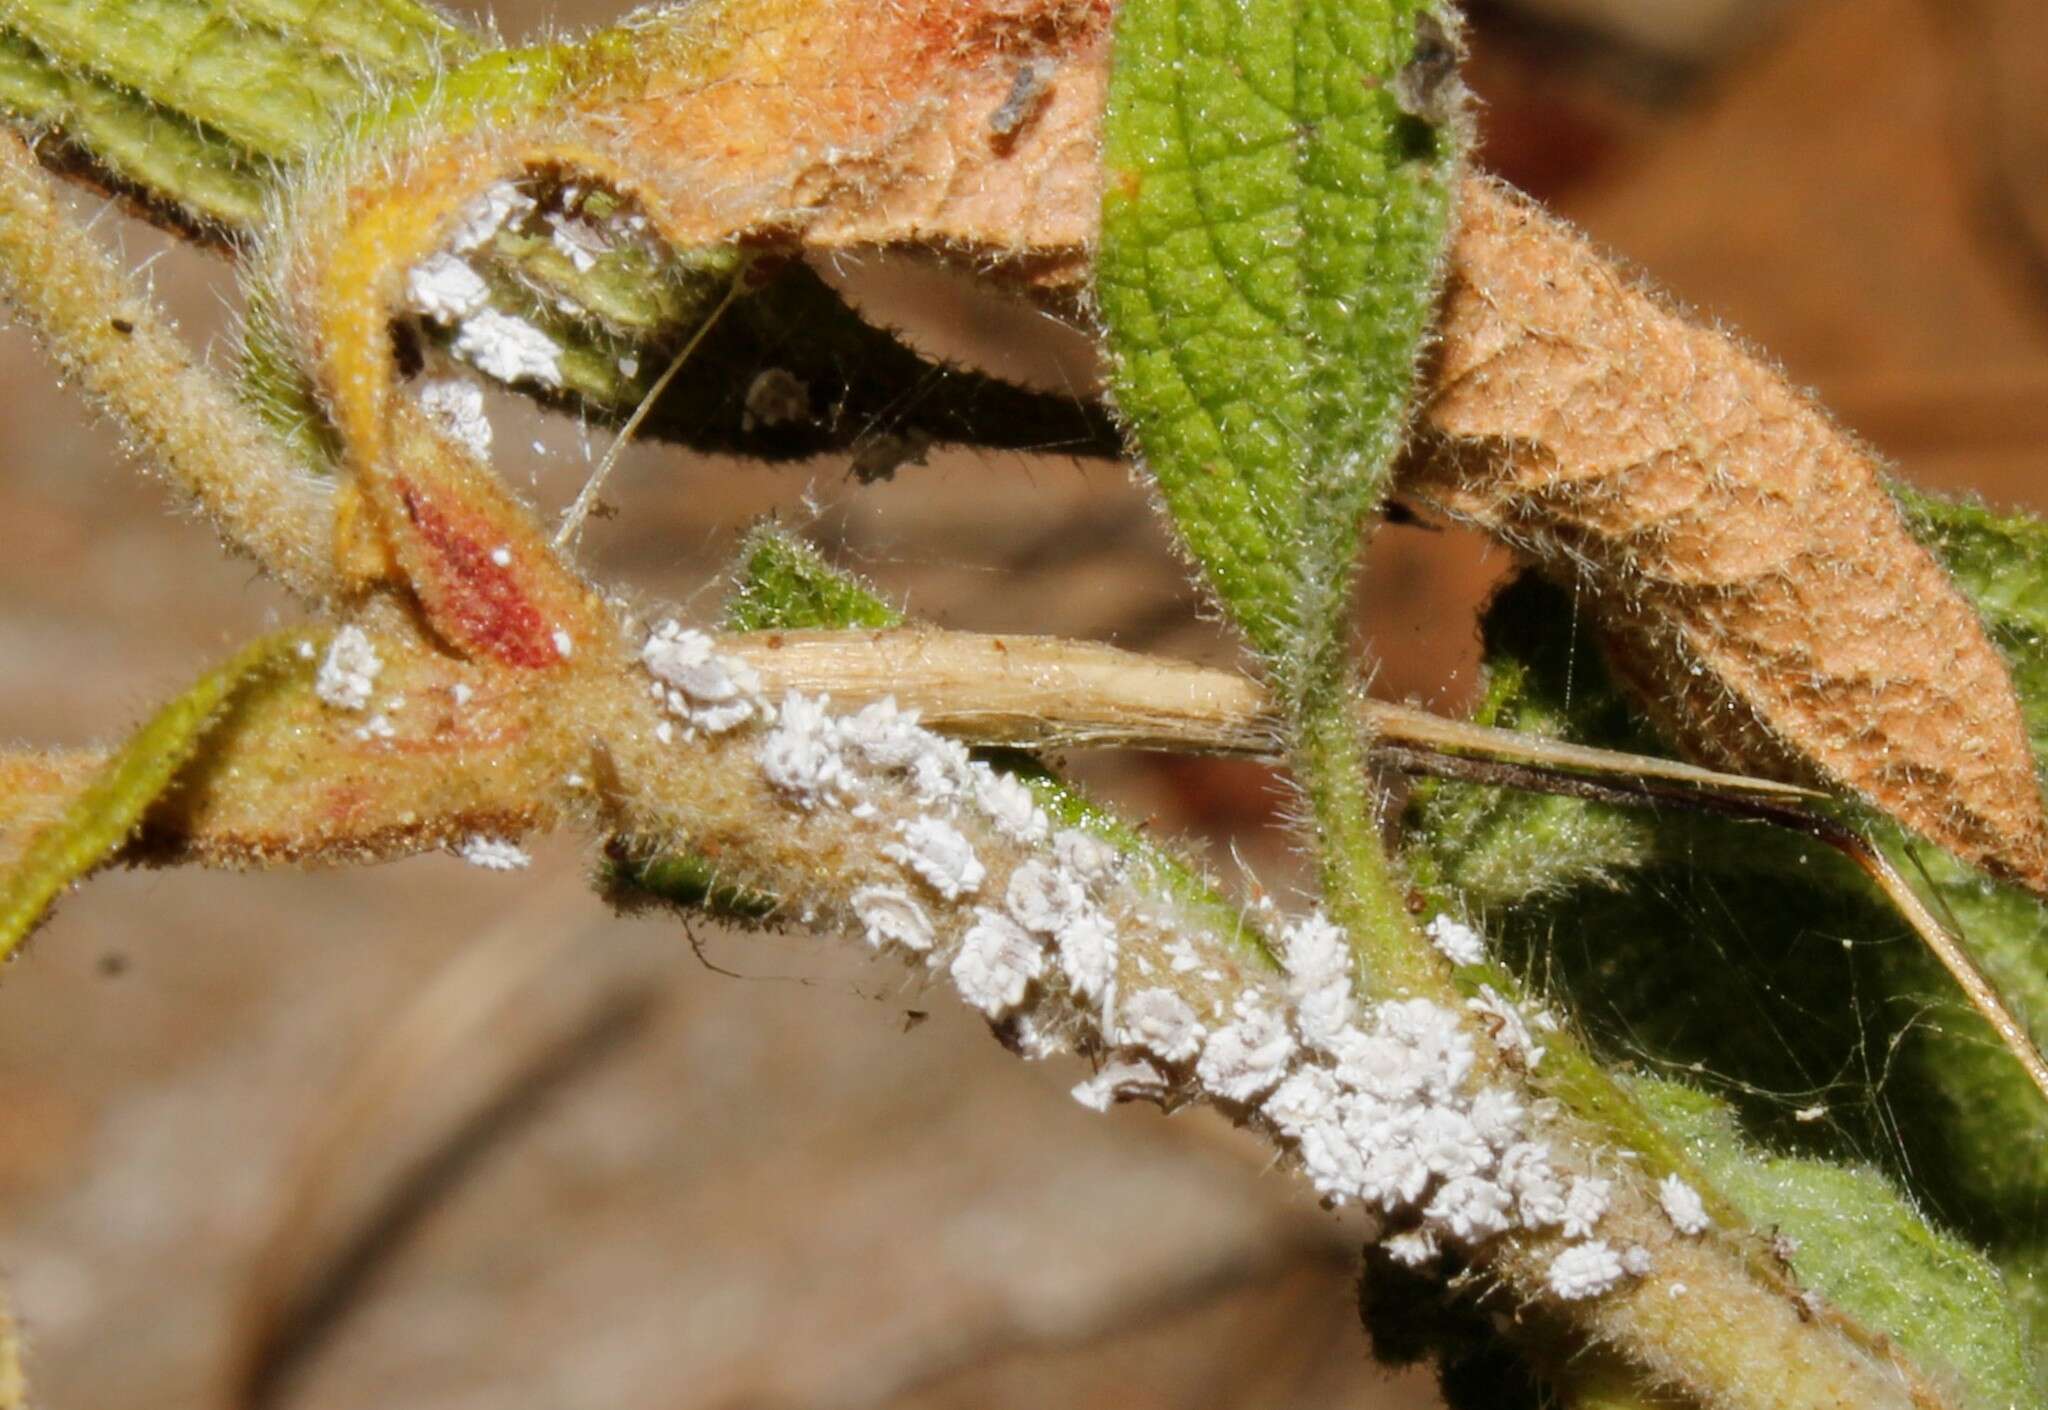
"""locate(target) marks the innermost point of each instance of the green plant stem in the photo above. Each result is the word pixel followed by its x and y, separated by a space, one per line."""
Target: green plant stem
pixel 1360 889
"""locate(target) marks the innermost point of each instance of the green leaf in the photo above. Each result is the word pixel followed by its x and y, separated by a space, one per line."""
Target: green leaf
pixel 1865 1248
pixel 169 159
pixel 1757 955
pixel 103 817
pixel 782 583
pixel 1272 232
pixel 274 77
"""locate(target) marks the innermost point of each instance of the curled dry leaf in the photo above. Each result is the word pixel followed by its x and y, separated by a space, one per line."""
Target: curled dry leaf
pixel 968 126
pixel 1758 588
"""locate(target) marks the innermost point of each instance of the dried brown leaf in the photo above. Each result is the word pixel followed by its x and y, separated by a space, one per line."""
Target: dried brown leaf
pixel 969 128
pixel 1762 596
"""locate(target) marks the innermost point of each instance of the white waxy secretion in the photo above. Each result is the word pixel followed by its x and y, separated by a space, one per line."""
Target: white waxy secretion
pixel 456 405
pixel 996 963
pixel 935 850
pixel 509 349
pixel 348 672
pixel 891 916
pixel 1683 1206
pixel 493 853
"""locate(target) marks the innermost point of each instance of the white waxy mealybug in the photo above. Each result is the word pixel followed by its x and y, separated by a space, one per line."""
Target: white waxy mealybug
pixel 996 963
pixel 509 349
pixel 1456 941
pixel 935 850
pixel 489 213
pixel 1010 805
pixel 1683 1206
pixel 1471 1208
pixel 801 757
pixel 1318 964
pixel 1585 1270
pixel 1414 1248
pixel 443 288
pixel 891 916
pixel 1505 1022
pixel 1087 950
pixel 1124 1080
pixel 349 670
pixel 1043 899
pixel 707 691
pixel 1248 1056
pixel 1585 1205
pixel 1085 855
pixel 1162 1021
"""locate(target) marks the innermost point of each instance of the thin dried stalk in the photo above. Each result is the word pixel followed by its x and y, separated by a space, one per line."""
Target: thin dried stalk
pixel 1036 692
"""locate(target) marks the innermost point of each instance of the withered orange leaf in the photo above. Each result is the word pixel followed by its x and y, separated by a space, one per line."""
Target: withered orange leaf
pixel 968 129
pixel 1760 592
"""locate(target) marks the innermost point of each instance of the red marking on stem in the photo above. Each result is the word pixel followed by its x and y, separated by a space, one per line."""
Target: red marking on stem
pixel 482 604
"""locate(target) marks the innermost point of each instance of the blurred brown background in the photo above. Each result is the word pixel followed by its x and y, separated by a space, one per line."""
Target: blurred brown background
pixel 527 1155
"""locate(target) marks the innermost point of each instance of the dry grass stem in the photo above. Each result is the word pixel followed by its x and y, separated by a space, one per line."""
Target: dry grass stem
pixel 1038 692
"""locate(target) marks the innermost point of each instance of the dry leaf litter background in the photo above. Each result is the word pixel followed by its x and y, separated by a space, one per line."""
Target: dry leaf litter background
pixel 660 1184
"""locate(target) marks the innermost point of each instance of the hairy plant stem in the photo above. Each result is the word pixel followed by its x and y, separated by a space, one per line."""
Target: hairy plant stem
pixel 174 413
pixel 1360 889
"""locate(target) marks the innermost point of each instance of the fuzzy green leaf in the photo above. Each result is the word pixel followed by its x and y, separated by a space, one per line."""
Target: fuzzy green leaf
pixel 782 583
pixel 1273 221
pixel 106 814
pixel 1856 1240
pixel 1760 956
pixel 274 76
